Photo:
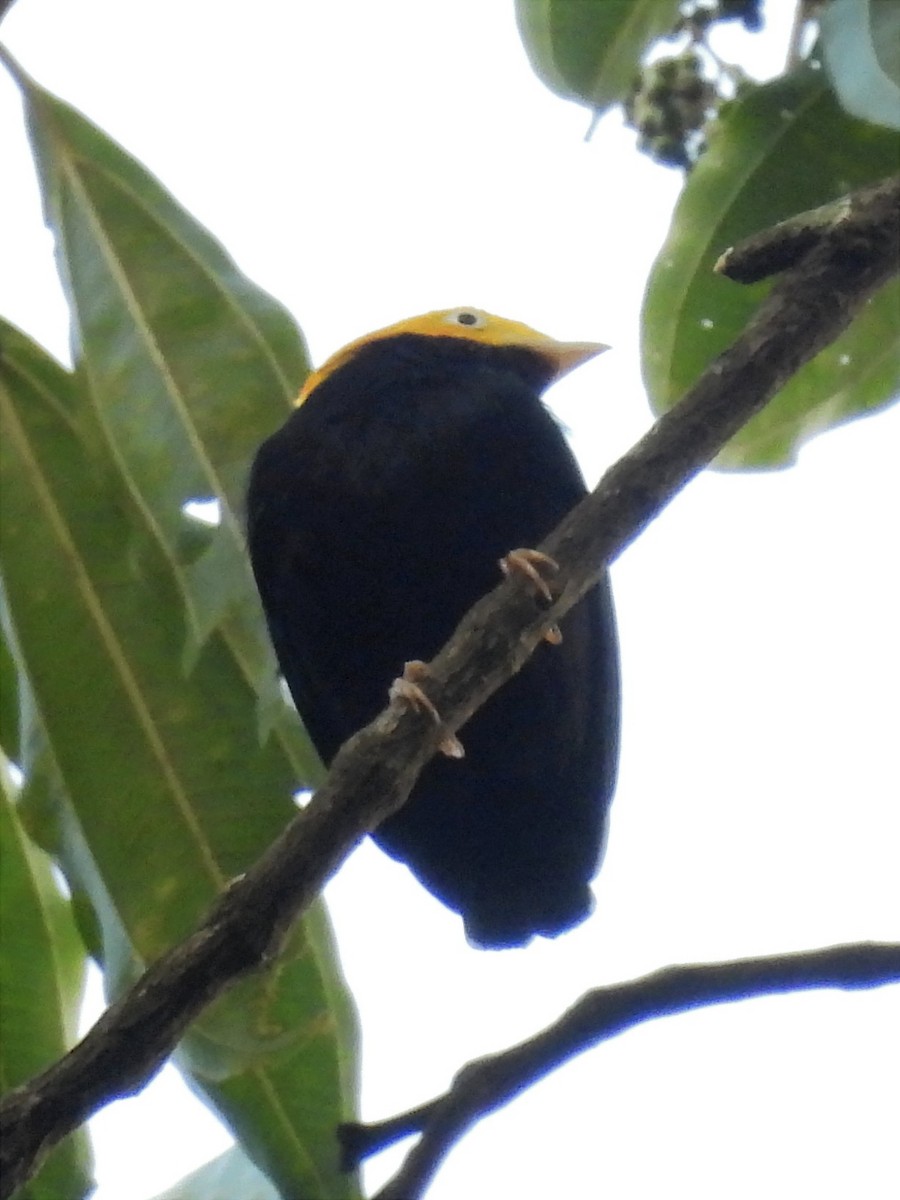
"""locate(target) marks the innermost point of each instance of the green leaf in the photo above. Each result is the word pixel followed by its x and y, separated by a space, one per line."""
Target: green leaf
pixel 42 963
pixel 296 1048
pixel 9 701
pixel 230 1176
pixel 781 149
pixel 590 50
pixel 164 791
pixel 861 51
pixel 188 365
pixel 50 818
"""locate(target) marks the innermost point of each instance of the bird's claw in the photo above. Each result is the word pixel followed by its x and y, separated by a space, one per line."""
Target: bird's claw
pixel 529 564
pixel 406 689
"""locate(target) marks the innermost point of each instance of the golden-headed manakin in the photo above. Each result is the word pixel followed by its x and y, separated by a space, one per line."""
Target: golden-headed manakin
pixel 417 457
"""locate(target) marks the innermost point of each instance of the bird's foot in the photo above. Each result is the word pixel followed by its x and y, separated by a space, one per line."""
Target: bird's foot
pixel 406 689
pixel 529 564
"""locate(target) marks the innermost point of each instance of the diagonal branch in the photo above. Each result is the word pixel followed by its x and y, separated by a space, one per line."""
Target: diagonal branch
pixel 375 770
pixel 486 1084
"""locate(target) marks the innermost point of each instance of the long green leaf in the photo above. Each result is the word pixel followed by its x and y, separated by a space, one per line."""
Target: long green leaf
pixel 779 150
pixel 172 790
pixel 42 963
pixel 51 818
pixel 188 364
pixel 9 701
pixel 590 50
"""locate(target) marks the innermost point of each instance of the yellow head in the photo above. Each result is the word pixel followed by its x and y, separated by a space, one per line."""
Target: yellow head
pixel 476 326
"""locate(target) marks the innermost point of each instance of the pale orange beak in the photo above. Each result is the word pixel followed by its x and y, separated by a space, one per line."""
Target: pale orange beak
pixel 566 356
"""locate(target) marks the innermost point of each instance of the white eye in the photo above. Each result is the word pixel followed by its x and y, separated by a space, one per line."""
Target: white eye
pixel 469 317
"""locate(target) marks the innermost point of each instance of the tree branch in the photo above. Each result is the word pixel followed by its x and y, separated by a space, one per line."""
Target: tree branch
pixel 486 1084
pixel 374 772
pixel 774 250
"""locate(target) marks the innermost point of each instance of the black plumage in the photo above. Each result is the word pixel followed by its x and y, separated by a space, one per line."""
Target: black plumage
pixel 376 517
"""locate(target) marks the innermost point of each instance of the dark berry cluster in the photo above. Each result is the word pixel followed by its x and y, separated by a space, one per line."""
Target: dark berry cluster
pixel 674 98
pixel 669 106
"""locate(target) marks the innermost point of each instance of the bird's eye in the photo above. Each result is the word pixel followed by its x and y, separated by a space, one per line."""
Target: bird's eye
pixel 466 316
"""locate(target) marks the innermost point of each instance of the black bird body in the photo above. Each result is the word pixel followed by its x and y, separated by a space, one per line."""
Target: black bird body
pixel 377 515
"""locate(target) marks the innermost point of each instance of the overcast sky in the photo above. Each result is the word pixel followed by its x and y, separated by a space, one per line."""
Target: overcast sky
pixel 365 162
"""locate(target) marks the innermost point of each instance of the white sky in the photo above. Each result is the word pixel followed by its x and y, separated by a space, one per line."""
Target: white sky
pixel 366 162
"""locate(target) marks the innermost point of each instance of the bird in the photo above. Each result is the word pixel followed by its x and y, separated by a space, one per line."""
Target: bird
pixel 415 459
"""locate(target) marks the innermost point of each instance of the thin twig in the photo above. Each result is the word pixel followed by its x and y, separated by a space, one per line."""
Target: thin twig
pixel 486 1084
pixel 374 772
pixel 803 14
